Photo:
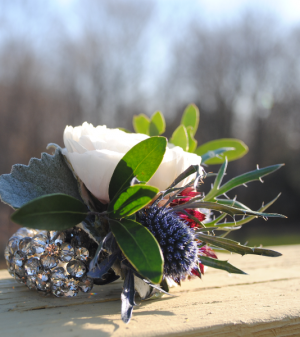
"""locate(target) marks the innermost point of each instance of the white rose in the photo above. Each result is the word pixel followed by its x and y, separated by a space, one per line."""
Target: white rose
pixel 94 152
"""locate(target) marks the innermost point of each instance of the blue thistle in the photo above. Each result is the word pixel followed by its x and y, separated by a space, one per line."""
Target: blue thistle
pixel 176 239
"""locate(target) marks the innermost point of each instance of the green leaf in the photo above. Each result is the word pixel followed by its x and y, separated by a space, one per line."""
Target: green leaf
pixel 141 124
pixel 242 179
pixel 218 264
pixel 131 200
pixel 236 247
pixel 141 162
pixel 190 170
pixel 157 124
pixel 140 248
pixel 125 130
pixel 44 176
pixel 220 175
pixel 180 138
pixel 240 149
pixel 191 139
pixel 191 117
pixel 215 153
pixel 233 203
pixel 51 212
pixel 242 221
pixel 223 208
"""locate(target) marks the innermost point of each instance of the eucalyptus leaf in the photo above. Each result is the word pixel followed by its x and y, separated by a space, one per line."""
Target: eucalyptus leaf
pixel 240 149
pixel 180 138
pixel 191 139
pixel 51 212
pixel 44 176
pixel 131 200
pixel 219 264
pixel 157 124
pixel 141 124
pixel 141 162
pixel 191 118
pixel 140 248
pixel 236 247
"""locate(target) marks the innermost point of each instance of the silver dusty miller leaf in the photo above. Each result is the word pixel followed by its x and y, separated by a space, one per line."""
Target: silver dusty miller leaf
pixel 47 175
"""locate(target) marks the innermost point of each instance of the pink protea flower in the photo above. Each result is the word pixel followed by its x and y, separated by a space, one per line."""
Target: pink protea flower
pixel 190 193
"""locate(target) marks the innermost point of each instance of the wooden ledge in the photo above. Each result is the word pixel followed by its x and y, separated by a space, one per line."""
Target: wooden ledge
pixel 264 303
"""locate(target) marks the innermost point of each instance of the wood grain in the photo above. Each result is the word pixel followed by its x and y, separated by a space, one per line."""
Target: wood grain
pixel 266 302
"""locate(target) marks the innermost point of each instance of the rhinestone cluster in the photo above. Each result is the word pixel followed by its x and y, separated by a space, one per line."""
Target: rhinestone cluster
pixel 51 262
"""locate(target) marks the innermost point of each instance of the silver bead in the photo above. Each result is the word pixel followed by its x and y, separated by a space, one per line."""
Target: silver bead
pixel 76 268
pixel 66 252
pixel 48 261
pixel 81 253
pixel 32 266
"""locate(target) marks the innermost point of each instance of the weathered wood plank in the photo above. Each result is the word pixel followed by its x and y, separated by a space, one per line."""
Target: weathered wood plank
pixel 264 303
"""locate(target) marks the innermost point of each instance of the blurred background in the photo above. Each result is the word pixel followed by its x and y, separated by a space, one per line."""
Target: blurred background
pixel 66 61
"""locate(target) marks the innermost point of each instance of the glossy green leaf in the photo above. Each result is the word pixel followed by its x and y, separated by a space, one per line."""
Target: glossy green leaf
pixel 215 153
pixel 51 212
pixel 191 118
pixel 191 139
pixel 131 200
pixel 236 247
pixel 219 264
pixel 240 149
pixel 141 162
pixel 140 248
pixel 141 124
pixel 157 124
pixel 180 138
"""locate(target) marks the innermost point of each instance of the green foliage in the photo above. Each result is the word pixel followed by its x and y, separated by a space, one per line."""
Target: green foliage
pixel 51 212
pixel 154 127
pixel 215 153
pixel 191 118
pixel 236 247
pixel 238 222
pixel 157 124
pixel 237 181
pixel 218 264
pixel 140 162
pixel 44 176
pixel 240 149
pixel 131 200
pixel 140 248
pixel 232 211
pixel 180 138
pixel 192 141
pixel 141 124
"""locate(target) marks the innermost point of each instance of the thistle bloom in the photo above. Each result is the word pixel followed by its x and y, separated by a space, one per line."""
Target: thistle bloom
pixel 94 152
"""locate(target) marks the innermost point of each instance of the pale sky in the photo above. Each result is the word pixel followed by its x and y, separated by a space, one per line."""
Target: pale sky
pixel 287 10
